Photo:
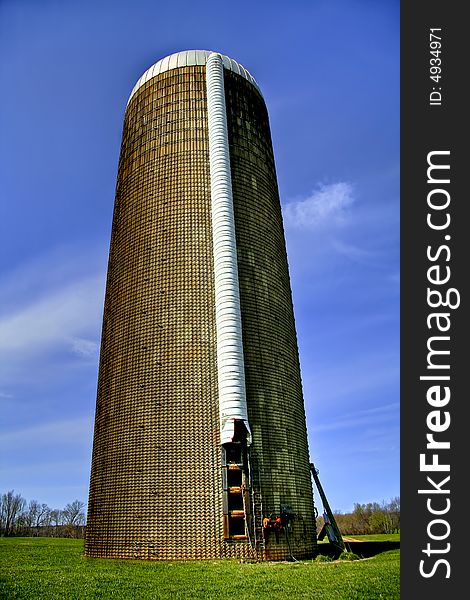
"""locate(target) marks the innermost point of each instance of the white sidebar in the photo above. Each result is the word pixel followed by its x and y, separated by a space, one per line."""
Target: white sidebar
pixel 230 360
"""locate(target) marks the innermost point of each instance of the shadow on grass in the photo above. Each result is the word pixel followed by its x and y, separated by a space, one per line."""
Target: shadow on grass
pixel 364 549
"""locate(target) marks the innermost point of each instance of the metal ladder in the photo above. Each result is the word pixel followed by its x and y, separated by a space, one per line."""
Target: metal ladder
pixel 256 503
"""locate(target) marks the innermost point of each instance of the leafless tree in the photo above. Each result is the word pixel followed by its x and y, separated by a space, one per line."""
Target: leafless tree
pixel 56 517
pixel 74 513
pixel 28 517
pixel 42 515
pixel 370 518
pixel 11 507
pixel 36 515
pixel 394 511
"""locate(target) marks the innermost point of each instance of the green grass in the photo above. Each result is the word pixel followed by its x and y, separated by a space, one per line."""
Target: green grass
pixel 55 568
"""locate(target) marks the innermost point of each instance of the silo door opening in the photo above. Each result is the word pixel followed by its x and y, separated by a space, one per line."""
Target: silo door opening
pixel 235 491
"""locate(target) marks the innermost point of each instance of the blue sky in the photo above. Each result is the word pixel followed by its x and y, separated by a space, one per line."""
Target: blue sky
pixel 329 71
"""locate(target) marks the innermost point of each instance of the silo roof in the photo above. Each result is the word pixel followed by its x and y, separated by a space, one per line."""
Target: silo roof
pixel 188 58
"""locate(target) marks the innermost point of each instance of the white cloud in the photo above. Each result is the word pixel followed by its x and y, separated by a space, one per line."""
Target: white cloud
pixel 56 318
pixel 327 205
pixel 53 269
pixel 84 348
pixel 49 461
pixel 69 431
pixel 368 374
pixel 355 253
pixel 361 419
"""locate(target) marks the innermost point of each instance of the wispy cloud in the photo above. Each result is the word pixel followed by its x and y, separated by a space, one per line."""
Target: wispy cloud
pixel 327 205
pixel 355 253
pixel 361 419
pixel 84 348
pixel 68 431
pixel 55 268
pixel 55 310
pixel 368 375
pixel 58 317
pixel 49 460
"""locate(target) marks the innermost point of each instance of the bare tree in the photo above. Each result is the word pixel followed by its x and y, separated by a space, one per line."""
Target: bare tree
pixel 74 513
pixel 11 507
pixel 28 518
pixel 42 515
pixel 371 518
pixel 36 515
pixel 394 511
pixel 74 519
pixel 56 517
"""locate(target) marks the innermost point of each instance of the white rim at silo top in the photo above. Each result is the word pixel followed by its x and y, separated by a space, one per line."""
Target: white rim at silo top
pixel 188 58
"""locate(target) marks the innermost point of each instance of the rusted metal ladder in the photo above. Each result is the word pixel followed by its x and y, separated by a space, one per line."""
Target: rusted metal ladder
pixel 256 503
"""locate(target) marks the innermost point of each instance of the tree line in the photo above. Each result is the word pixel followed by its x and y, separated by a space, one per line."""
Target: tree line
pixel 33 518
pixel 369 518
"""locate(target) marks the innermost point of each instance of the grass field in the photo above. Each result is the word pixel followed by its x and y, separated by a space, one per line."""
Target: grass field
pixel 55 568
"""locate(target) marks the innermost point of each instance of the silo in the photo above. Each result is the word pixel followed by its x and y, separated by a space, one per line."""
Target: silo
pixel 200 444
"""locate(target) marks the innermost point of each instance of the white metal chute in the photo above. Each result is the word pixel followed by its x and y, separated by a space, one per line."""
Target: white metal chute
pixel 230 359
